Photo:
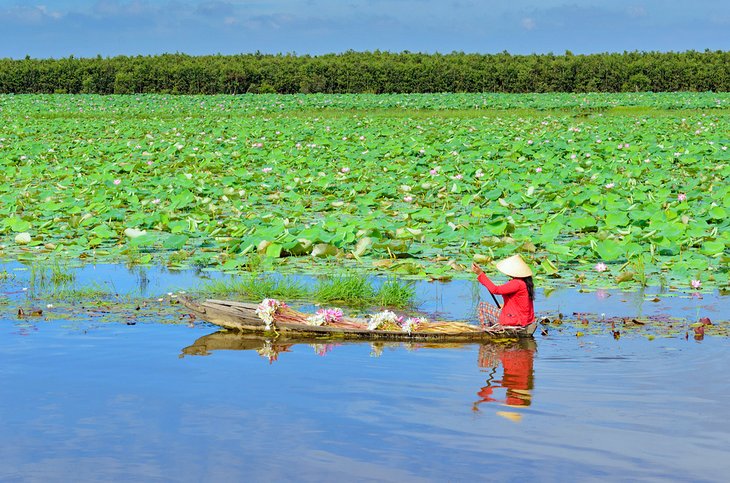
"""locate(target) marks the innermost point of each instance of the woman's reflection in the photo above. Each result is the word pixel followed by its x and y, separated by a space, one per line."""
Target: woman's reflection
pixel 518 373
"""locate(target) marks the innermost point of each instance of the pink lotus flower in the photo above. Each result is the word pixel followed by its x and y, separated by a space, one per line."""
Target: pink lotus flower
pixel 530 141
pixel 610 185
pixel 620 146
pixel 538 170
pixel 267 169
pixel 573 156
pixel 149 163
pixel 588 155
pixel 156 201
pixel 117 181
pixel 458 176
pixel 696 284
pixel 681 197
pixel 434 172
pixel 345 169
pixel 601 267
pixel 408 198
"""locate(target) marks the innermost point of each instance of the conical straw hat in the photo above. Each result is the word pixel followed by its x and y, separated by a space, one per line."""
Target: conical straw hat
pixel 514 266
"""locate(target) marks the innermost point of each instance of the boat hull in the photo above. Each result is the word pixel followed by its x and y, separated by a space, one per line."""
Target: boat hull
pixel 241 316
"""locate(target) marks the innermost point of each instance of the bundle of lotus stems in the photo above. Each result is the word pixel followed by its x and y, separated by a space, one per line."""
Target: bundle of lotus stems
pixel 288 315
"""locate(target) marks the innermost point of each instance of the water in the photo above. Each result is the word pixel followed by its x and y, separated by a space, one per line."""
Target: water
pixel 124 403
pixel 456 299
pixel 88 401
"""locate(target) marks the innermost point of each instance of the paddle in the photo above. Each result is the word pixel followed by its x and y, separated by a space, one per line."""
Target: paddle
pixel 477 269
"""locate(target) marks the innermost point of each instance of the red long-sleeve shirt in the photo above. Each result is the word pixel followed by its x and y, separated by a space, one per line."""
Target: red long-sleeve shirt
pixel 517 308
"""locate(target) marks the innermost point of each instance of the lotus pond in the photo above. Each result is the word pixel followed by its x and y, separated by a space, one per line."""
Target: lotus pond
pixel 110 207
pixel 597 191
pixel 112 381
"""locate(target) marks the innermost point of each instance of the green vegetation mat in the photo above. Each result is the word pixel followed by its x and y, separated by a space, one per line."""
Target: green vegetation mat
pixel 593 189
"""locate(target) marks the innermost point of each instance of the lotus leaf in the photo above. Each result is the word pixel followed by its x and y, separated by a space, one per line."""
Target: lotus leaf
pixel 435 174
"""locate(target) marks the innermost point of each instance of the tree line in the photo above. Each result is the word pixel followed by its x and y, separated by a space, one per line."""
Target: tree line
pixel 370 72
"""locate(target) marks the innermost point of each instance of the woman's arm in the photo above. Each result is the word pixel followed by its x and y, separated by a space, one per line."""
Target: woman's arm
pixel 510 287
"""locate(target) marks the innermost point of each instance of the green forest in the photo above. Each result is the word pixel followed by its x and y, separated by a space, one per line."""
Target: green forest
pixel 370 72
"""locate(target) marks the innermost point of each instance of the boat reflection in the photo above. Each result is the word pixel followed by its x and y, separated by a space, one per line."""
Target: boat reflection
pixel 266 347
pixel 269 347
pixel 515 356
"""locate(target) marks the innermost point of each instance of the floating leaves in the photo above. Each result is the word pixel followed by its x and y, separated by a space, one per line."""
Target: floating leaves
pixel 426 176
pixel 583 324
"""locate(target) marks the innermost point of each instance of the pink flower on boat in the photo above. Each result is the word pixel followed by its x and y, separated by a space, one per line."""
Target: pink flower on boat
pixel 601 267
pixel 267 169
pixel 331 315
pixel 681 197
pixel 117 182
pixel 696 284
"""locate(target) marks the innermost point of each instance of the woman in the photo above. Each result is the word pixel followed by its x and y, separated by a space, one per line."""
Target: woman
pixel 518 294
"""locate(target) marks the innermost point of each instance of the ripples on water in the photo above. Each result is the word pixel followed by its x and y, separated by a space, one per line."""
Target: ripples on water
pixel 84 401
pixel 131 403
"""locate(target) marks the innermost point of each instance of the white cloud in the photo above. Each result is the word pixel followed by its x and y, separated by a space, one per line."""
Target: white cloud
pixel 636 11
pixel 528 23
pixel 30 14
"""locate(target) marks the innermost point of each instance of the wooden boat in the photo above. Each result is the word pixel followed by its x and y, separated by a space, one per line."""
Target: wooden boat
pixel 241 316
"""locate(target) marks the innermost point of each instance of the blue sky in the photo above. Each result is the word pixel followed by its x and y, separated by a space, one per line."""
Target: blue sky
pixel 59 28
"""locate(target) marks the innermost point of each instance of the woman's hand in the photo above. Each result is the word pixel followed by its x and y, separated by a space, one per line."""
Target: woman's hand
pixel 476 269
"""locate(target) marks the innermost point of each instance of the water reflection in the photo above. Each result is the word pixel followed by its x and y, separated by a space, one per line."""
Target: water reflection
pixel 518 374
pixel 516 358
